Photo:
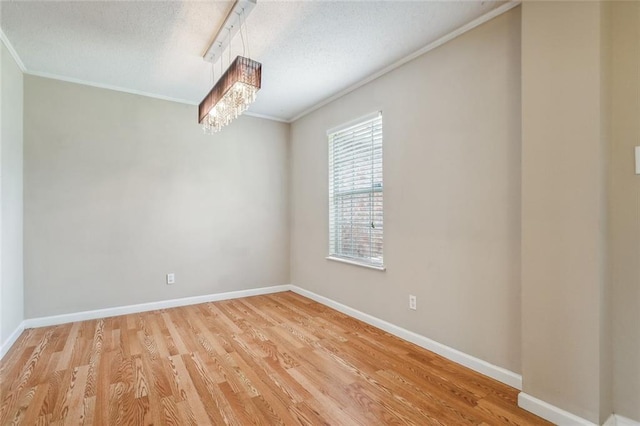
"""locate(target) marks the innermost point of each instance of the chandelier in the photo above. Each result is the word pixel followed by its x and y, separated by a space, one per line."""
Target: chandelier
pixel 236 89
pixel 231 95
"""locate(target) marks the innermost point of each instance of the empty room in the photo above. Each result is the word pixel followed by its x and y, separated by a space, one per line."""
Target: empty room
pixel 320 212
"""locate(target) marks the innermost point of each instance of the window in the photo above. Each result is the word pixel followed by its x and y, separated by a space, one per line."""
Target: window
pixel 355 192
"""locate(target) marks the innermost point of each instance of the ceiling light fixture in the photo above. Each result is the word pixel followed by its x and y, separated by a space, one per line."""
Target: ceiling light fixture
pixel 236 89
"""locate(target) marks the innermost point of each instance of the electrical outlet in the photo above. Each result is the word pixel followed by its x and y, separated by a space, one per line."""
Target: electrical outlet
pixel 412 302
pixel 171 278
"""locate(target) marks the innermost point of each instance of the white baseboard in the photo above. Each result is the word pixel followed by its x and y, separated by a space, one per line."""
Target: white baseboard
pixel 6 345
pixel 561 417
pixel 550 412
pixel 498 373
pixel 618 420
pixel 611 421
pixel 151 306
pixel 483 367
pixel 528 402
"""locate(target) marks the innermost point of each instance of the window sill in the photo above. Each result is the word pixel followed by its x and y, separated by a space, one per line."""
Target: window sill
pixel 356 263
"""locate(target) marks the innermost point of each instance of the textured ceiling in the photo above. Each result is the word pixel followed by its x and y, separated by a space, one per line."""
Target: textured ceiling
pixel 310 50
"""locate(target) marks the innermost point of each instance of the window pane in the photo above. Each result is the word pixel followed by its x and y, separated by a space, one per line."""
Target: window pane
pixel 356 192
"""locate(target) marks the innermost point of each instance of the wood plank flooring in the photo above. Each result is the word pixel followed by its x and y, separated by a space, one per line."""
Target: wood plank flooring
pixel 273 359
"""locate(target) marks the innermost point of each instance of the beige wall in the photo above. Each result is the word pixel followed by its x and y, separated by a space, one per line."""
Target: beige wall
pixel 11 272
pixel 564 202
pixel 121 189
pixel 452 195
pixel 625 207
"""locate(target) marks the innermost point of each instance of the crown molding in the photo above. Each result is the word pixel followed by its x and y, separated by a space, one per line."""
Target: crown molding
pixel 465 28
pixel 137 92
pixel 12 51
pixel 266 117
pixel 439 42
pixel 108 86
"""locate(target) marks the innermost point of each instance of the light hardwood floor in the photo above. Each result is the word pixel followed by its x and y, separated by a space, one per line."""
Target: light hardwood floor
pixel 274 359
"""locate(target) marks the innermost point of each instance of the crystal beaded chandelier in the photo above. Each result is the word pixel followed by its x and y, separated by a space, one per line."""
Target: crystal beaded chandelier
pixel 231 95
pixel 236 89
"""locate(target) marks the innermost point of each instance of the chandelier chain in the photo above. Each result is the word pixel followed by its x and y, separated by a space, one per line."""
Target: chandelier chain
pixel 241 34
pixel 229 46
pixel 244 24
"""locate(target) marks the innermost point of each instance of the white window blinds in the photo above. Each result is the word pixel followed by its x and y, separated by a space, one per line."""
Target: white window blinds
pixel 355 191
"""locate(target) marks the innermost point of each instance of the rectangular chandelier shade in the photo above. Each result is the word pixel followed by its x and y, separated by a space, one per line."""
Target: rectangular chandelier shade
pixel 233 92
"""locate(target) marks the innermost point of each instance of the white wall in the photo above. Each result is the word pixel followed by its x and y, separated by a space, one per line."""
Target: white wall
pixel 121 189
pixel 11 272
pixel 452 195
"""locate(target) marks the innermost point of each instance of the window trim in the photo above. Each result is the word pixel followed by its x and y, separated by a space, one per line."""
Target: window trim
pixel 353 123
pixel 356 262
pixel 337 257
